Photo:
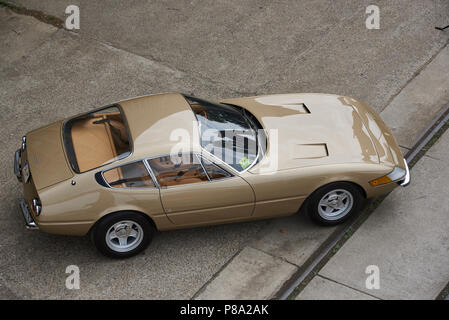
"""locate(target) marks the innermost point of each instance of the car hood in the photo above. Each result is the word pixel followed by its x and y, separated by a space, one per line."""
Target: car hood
pixel 46 157
pixel 309 129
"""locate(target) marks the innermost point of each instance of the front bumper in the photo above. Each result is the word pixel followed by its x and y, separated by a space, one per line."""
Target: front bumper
pixel 406 181
pixel 29 221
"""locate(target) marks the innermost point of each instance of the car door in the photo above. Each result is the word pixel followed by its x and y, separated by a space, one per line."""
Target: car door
pixel 196 191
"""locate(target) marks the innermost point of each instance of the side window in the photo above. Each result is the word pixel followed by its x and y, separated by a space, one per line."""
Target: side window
pixel 213 171
pixel 133 175
pixel 177 170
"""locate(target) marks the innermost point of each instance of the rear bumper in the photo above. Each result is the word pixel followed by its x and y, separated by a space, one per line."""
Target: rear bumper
pixel 29 221
pixel 406 181
pixel 17 162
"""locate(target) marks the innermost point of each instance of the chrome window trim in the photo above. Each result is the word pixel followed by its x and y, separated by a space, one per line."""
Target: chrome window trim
pixel 156 185
pixel 231 168
pixel 202 166
pixel 219 166
pixel 196 183
pixel 154 178
pixel 256 161
pixel 150 170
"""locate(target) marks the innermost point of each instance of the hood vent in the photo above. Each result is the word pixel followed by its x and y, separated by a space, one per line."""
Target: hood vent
pixel 300 107
pixel 285 101
pixel 310 151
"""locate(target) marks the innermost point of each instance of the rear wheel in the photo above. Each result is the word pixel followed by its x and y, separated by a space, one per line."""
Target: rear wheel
pixel 334 203
pixel 122 234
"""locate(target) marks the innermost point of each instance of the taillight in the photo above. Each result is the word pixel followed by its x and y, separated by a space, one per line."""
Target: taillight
pixel 37 207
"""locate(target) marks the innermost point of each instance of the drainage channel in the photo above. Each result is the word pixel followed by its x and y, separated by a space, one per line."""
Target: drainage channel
pixel 323 254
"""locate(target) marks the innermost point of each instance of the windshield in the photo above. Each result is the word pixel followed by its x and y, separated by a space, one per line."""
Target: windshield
pixel 227 132
pixel 96 138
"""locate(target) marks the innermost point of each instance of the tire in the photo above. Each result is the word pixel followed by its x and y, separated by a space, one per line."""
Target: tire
pixel 122 234
pixel 334 203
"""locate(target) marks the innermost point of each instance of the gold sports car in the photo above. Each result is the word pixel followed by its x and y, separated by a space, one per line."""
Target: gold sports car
pixel 169 161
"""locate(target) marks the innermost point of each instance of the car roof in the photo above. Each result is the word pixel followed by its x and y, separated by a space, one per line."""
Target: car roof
pixel 161 124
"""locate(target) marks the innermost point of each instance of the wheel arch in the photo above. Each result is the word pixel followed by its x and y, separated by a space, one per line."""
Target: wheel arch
pixel 358 186
pixel 150 220
pixel 355 184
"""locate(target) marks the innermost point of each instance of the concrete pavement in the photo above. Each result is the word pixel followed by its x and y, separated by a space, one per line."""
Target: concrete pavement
pixel 134 48
pixel 249 267
pixel 409 112
pixel 406 238
pixel 263 46
pixel 320 288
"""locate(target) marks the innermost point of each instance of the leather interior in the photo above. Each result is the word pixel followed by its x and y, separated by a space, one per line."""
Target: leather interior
pixel 170 174
pixel 96 143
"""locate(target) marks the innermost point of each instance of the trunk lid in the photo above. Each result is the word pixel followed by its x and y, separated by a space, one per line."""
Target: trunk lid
pixel 45 155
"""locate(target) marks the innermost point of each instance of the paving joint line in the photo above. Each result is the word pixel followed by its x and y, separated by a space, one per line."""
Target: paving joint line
pixel 58 23
pixel 444 294
pixel 39 15
pixel 414 75
pixel 347 286
pixel 274 256
pixel 216 274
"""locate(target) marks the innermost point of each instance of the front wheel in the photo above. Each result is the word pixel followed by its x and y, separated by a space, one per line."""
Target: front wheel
pixel 122 234
pixel 334 203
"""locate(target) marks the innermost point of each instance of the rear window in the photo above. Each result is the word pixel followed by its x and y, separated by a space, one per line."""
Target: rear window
pixel 96 138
